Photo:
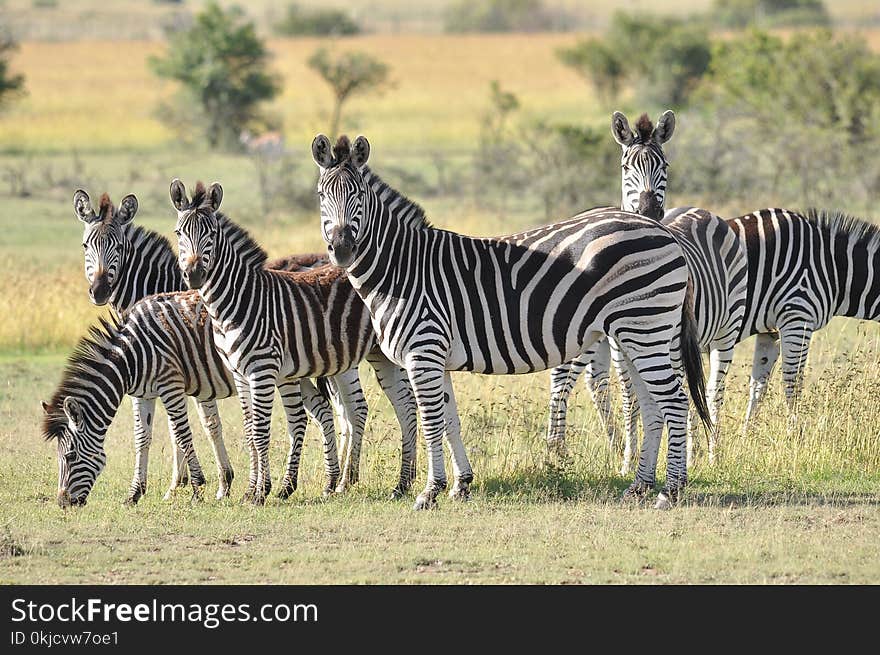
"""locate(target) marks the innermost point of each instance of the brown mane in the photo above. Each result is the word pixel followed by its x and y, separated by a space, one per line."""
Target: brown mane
pixel 644 128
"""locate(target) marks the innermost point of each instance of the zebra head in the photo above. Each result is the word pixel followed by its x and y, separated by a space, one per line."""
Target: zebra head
pixel 81 455
pixel 196 229
pixel 342 192
pixel 643 163
pixel 105 241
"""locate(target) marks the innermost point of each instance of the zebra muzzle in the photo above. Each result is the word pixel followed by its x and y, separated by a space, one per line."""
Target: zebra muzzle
pixel 99 290
pixel 341 247
pixel 195 274
pixel 650 206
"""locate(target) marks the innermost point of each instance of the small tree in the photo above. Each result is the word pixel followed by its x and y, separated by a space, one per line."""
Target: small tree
pixel 10 84
pixel 221 64
pixel 349 74
pixel 599 64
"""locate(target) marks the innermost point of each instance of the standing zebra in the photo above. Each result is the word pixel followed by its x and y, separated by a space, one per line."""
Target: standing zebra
pixel 803 270
pixel 125 263
pixel 441 302
pixel 716 260
pixel 273 326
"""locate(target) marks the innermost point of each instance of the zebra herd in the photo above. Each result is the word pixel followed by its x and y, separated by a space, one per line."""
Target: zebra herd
pixel 640 287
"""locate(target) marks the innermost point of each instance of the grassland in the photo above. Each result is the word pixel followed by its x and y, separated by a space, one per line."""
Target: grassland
pixel 778 507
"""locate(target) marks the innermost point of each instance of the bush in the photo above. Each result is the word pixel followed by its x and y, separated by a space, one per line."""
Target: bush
pixel 599 64
pixel 316 22
pixel 221 65
pixel 11 84
pixel 740 14
pixel 504 16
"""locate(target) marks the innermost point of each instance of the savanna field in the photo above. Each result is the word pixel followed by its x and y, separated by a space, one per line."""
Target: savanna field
pixel 777 507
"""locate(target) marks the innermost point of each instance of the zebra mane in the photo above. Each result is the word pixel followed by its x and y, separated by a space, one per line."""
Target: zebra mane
pixel 417 219
pixel 140 236
pixel 105 209
pixel 838 222
pixel 644 128
pixel 97 345
pixel 246 247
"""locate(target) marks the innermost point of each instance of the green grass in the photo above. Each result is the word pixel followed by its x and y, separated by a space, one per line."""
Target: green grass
pixel 777 508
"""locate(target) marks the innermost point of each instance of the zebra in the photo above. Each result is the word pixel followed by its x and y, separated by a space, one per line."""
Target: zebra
pixel 124 263
pixel 803 269
pixel 148 354
pixel 716 259
pixel 440 302
pixel 272 326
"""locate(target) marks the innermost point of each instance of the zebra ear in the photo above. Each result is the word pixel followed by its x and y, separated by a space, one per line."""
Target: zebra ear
pixel 45 407
pixel 74 413
pixel 178 195
pixel 665 127
pixel 321 151
pixel 215 195
pixel 127 209
pixel 82 206
pixel 360 151
pixel 620 129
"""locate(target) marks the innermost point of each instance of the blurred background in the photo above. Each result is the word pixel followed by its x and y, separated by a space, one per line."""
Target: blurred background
pixel 494 114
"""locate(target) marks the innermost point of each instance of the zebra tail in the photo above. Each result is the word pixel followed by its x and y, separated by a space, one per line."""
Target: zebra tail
pixel 692 357
pixel 323 387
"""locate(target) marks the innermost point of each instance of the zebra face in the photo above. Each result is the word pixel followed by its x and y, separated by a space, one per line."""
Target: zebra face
pixel 105 241
pixel 81 457
pixel 196 230
pixel 643 163
pixel 342 194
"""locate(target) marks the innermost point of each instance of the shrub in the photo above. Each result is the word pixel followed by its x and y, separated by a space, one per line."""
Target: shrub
pixel 504 16
pixel 316 22
pixel 740 14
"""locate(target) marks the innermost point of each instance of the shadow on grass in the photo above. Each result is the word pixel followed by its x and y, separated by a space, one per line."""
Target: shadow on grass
pixel 552 482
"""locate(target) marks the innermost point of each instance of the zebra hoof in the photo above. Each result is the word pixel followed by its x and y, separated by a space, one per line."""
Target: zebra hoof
pixel 637 491
pixel 169 494
pixel 287 489
pixel 666 499
pixel 425 501
pixel 341 488
pixel 131 501
pixel 460 491
pixel 399 492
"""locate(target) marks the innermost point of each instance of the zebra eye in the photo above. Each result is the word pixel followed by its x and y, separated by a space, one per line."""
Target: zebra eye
pixel 177 232
pixel 85 246
pixel 70 456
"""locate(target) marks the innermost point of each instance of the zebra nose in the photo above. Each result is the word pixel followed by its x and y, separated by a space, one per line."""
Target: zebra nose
pixel 64 499
pixel 341 246
pixel 650 206
pixel 99 289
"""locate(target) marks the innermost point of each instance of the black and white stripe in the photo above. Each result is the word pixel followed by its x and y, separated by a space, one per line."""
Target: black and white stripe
pixel 272 326
pixel 441 302
pixel 716 260
pixel 803 269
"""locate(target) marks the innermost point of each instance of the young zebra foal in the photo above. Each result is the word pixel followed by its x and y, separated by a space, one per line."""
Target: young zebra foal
pixel 125 263
pixel 442 301
pixel 272 326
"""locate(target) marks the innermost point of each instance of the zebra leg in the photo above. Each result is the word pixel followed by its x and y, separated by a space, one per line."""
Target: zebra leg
pixel 395 385
pixel 598 381
pixel 178 426
pixel 562 380
pixel 427 380
pixel 243 390
pixel 355 410
pixel 630 403
pixel 720 359
pixel 262 392
pixel 461 467
pixel 209 417
pixel 144 410
pixel 291 401
pixel 652 422
pixel 766 354
pixel 795 338
pixel 318 407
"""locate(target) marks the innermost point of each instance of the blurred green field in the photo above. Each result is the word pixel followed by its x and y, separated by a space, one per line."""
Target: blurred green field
pixel 777 508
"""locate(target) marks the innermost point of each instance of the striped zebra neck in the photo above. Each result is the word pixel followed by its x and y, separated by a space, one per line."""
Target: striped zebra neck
pixel 148 266
pixel 97 375
pixel 238 261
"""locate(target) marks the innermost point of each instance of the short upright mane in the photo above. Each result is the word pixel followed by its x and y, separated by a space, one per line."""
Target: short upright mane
pixel 415 217
pixel 96 346
pixel 246 246
pixel 644 128
pixel 837 222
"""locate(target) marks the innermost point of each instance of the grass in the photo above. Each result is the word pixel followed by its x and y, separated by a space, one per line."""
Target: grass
pixel 777 508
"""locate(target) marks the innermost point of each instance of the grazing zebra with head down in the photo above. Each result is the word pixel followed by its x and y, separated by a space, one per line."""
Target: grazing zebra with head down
pixel 272 326
pixel 716 260
pixel 441 302
pixel 125 263
pixel 803 270
pixel 149 354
